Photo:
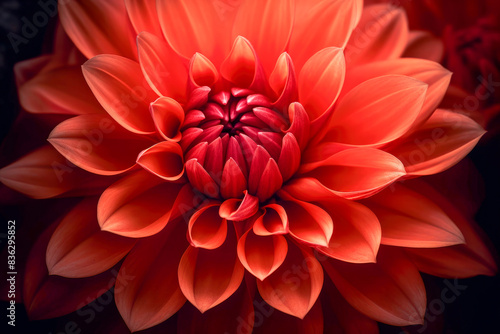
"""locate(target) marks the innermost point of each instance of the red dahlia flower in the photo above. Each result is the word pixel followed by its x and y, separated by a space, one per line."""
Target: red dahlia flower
pixel 249 144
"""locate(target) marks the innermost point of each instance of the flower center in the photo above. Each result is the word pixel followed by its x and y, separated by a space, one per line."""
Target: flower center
pixel 232 140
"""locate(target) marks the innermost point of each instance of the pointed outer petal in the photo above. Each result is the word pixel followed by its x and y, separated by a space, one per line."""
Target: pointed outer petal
pixel 377 111
pixel 45 173
pixel 382 33
pixel 307 222
pixel 206 228
pixel 98 28
pixel 54 92
pixel 233 182
pixel 294 291
pixel 460 261
pixel 200 179
pixel 242 67
pixel 424 45
pixel 234 315
pixel 143 16
pixel 409 219
pixel 209 277
pixel 445 139
pixel 283 82
pixel 340 316
pixel 78 247
pixel 289 160
pixel 165 71
pixel 358 172
pixel 433 74
pixel 279 322
pixel 299 124
pixel 164 160
pixel 320 81
pixel 139 205
pixel 46 296
pixel 331 24
pixel 255 20
pixel 98 144
pixel 118 84
pixel 206 27
pixel 262 255
pixel 239 210
pixel 273 221
pixel 389 291
pixel 357 232
pixel 168 117
pixel 147 290
pixel 259 163
pixel 270 182
pixel 202 72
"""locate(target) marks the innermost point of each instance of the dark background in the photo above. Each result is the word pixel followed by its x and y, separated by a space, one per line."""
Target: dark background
pixel 476 310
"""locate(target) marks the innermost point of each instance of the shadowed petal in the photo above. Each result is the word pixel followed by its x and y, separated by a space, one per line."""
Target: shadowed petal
pixel 273 221
pixel 168 117
pixel 295 291
pixel 164 159
pixel 239 210
pixel 147 291
pixel 209 277
pixel 409 219
pixel 206 228
pixel 424 45
pixel 284 82
pixel 202 72
pixel 394 293
pixel 98 144
pixel 445 139
pixel 78 247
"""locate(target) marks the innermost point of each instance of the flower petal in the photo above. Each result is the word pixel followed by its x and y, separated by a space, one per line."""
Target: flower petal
pixel 307 222
pixel 462 261
pixel 45 173
pixel 118 84
pixel 256 18
pixel 46 296
pixel 242 67
pixel 283 82
pixel 164 159
pixel 424 45
pixel 409 219
pixel 293 291
pixel 53 92
pixel 200 179
pixel 233 182
pixel 206 228
pixel 98 28
pixel 320 81
pixel 382 33
pixel 320 25
pixel 261 255
pixel 380 110
pixel 273 221
pixel 445 139
pixel 357 172
pixel 147 291
pixel 433 74
pixel 206 26
pixel 394 293
pixel 139 205
pixel 202 72
pixel 143 16
pixel 168 117
pixel 98 144
pixel 209 277
pixel 239 210
pixel 165 71
pixel 78 247
pixel 299 124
